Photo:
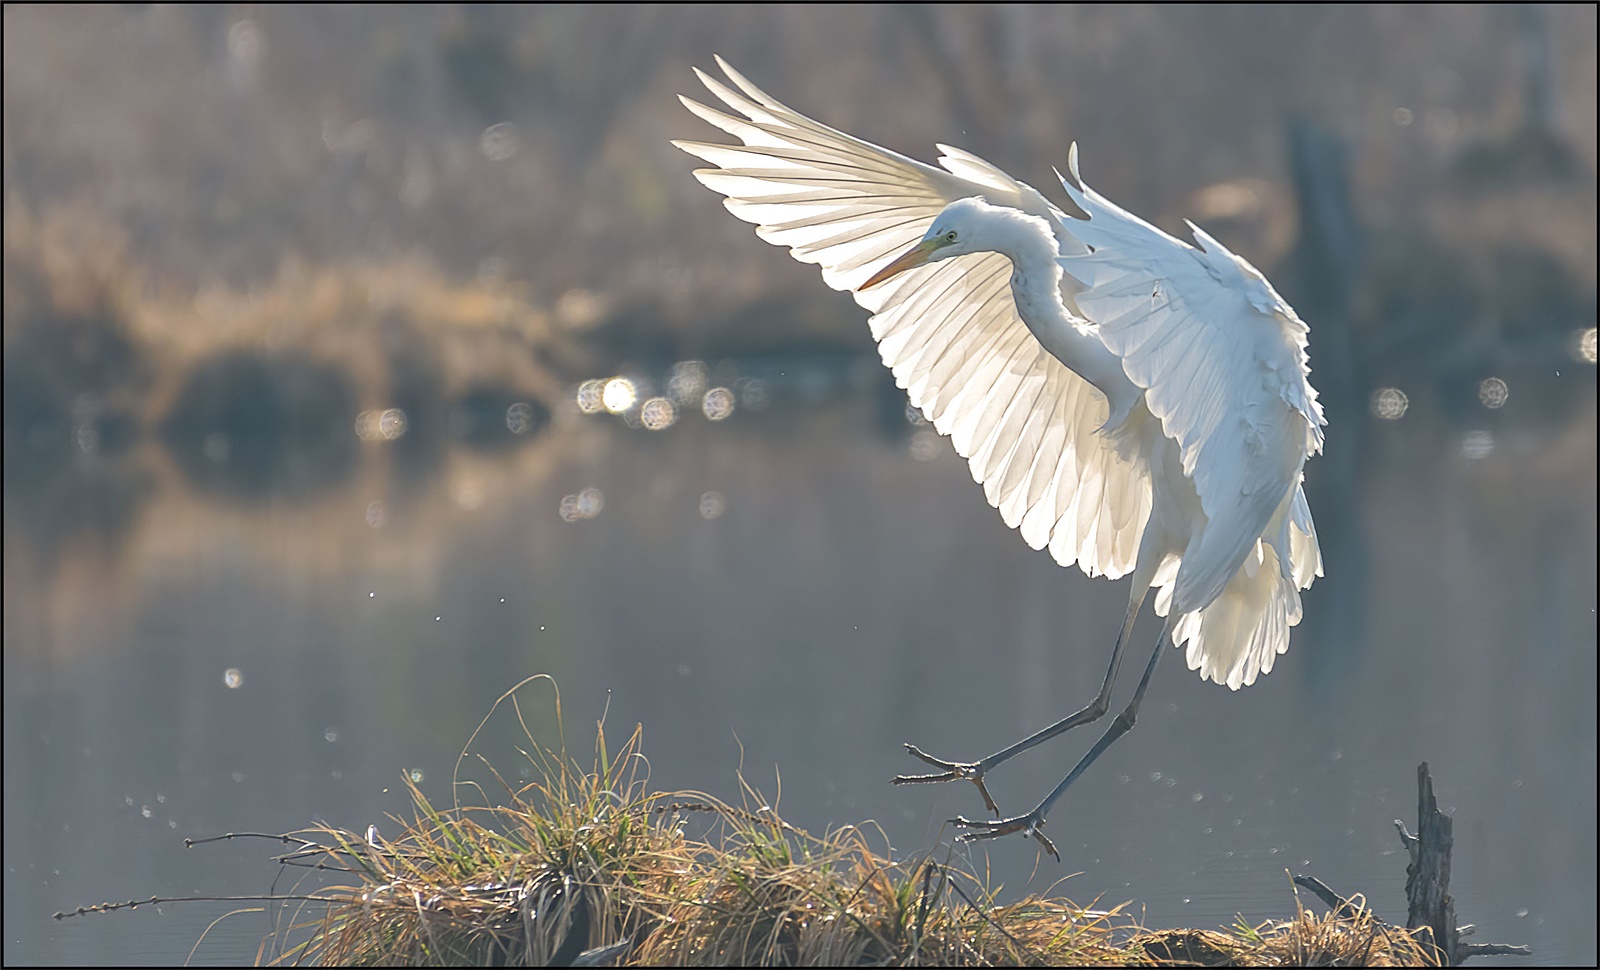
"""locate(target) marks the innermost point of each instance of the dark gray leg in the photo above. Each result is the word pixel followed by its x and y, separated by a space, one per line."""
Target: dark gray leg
pixel 975 770
pixel 1033 822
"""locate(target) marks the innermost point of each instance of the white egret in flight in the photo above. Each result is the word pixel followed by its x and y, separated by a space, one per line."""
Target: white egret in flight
pixel 1129 401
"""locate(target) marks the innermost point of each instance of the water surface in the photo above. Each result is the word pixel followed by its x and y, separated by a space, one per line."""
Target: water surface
pixel 791 592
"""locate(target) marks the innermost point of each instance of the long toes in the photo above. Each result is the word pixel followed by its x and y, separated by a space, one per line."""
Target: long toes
pixel 977 830
pixel 986 828
pixel 952 771
pixel 949 766
pixel 948 769
pixel 923 779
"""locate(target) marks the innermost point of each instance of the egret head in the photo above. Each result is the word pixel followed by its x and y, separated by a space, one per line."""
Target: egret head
pixel 965 226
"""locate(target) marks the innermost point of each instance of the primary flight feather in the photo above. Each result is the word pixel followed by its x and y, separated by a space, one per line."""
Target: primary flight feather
pixel 1131 402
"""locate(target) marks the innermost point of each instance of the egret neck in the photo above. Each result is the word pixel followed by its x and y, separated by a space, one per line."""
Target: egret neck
pixel 1036 289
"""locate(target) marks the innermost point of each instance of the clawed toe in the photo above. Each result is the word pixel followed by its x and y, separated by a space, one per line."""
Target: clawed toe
pixel 1031 823
pixel 949 771
pixel 976 829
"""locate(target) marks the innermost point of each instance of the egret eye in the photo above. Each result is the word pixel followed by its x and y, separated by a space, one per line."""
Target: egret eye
pixel 950 236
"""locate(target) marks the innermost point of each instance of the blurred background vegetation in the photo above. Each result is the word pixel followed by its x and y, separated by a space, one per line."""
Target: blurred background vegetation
pixel 236 230
pixel 515 160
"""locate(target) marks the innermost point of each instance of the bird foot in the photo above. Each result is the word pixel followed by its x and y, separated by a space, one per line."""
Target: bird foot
pixel 950 771
pixel 1031 823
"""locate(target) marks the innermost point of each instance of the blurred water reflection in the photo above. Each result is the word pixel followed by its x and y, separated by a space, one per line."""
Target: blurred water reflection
pixel 797 588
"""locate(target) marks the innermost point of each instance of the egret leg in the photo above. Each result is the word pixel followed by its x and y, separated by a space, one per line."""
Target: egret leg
pixel 974 771
pixel 1033 822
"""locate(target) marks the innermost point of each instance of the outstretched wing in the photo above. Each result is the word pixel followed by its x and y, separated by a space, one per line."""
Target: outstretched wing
pixel 1222 359
pixel 949 331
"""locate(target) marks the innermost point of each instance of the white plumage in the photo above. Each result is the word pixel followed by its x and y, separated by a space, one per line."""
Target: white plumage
pixel 1130 402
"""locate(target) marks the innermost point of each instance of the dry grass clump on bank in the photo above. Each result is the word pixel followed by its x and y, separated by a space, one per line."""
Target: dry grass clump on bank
pixel 585 859
pixel 591 867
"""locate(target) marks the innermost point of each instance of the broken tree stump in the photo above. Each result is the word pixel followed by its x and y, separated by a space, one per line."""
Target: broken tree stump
pixel 1431 910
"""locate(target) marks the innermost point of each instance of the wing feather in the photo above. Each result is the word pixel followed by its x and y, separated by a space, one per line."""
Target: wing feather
pixel 949 332
pixel 1222 361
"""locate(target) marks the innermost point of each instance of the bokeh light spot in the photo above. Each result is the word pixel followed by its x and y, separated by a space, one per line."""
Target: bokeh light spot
pixel 1493 393
pixel 1389 403
pixel 499 142
pixel 717 404
pixel 657 414
pixel 391 423
pixel 591 397
pixel 584 505
pixel 618 395
pixel 1583 345
pixel 712 505
pixel 687 382
pixel 381 425
pixel 520 418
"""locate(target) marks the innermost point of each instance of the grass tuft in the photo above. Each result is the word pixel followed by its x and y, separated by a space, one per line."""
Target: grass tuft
pixel 589 865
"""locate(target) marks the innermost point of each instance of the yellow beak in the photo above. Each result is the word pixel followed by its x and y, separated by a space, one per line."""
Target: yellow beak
pixel 910 259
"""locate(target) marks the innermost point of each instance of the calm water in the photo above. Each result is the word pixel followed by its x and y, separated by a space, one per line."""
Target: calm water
pixel 796 591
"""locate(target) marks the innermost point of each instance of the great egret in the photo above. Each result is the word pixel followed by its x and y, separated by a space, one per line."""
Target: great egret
pixel 1129 401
